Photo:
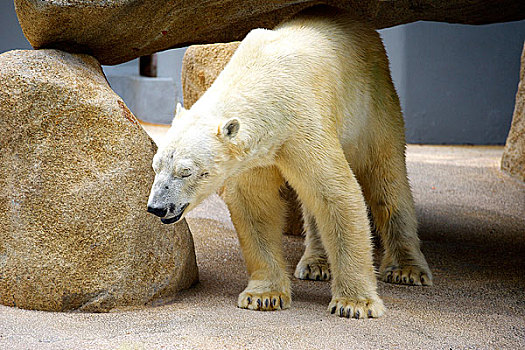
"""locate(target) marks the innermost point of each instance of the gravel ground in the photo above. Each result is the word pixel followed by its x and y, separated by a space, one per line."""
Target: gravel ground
pixel 472 227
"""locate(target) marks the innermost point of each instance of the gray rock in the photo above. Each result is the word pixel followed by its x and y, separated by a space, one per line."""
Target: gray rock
pixel 74 183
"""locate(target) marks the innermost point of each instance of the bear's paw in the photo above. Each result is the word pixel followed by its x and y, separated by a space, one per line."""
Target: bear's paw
pixel 352 308
pixel 268 301
pixel 407 274
pixel 315 269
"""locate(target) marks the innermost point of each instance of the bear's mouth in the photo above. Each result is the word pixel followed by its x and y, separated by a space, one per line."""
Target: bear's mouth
pixel 171 218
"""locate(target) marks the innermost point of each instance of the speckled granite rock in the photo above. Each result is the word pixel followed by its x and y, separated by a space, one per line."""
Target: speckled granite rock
pixel 200 67
pixel 120 30
pixel 513 160
pixel 74 184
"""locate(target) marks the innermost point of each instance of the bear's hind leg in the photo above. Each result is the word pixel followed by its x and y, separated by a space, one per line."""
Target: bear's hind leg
pixel 402 262
pixel 388 194
pixel 257 212
pixel 314 262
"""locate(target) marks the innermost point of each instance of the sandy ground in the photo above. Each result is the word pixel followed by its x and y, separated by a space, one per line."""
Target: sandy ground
pixel 472 227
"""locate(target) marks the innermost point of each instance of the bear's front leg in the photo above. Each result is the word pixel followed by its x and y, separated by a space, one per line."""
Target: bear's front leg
pixel 257 213
pixel 327 187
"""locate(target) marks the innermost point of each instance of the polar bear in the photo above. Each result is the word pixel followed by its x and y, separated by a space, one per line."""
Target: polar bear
pixel 310 103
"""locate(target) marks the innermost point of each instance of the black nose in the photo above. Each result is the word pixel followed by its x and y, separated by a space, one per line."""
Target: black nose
pixel 161 212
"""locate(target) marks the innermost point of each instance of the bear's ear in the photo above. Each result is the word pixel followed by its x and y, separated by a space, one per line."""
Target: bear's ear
pixel 178 111
pixel 229 129
pixel 179 108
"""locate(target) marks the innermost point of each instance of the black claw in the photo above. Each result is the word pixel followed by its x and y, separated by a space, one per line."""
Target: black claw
pixel 267 303
pixel 274 302
pixel 259 302
pixel 281 302
pixel 333 310
pixel 389 278
pixel 342 311
pixel 397 278
pixel 357 314
pixel 249 300
pixel 404 280
pixel 422 280
pixel 348 313
pixel 306 276
pixel 369 313
pixel 317 278
pixel 411 280
pixel 324 276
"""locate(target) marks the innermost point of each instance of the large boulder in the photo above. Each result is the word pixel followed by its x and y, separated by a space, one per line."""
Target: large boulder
pixel 513 160
pixel 120 30
pixel 200 67
pixel 74 183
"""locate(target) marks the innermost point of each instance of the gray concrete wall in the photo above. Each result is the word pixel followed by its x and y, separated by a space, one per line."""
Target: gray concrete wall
pixel 169 64
pixel 457 83
pixel 150 99
pixel 11 36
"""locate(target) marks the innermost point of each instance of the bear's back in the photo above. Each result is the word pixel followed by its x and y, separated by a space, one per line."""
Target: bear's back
pixel 316 70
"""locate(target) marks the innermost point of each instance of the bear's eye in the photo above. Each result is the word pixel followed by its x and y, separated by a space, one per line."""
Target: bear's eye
pixel 185 173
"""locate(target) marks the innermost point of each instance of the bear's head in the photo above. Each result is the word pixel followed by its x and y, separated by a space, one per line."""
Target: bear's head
pixel 194 161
